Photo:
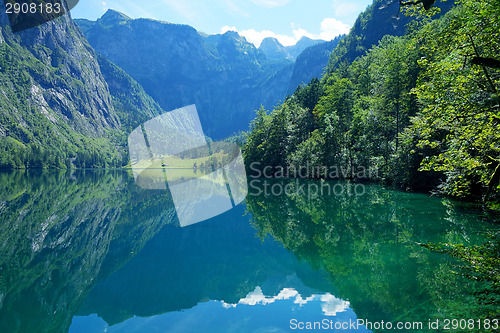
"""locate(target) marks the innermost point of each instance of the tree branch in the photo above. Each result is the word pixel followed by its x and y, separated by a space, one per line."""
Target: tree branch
pixel 427 3
pixel 488 62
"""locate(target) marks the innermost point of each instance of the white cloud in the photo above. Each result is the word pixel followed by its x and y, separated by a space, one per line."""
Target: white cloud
pixel 270 3
pixel 257 297
pixel 330 304
pixel 333 305
pixel 303 301
pixel 330 28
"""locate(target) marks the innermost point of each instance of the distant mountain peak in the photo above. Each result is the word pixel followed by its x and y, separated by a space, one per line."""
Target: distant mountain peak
pixel 302 45
pixel 233 37
pixel 230 34
pixel 271 41
pixel 273 49
pixel 304 39
pixel 113 16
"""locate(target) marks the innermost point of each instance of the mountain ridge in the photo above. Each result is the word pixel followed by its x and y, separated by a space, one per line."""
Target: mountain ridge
pixel 302 44
pixel 224 75
pixel 273 49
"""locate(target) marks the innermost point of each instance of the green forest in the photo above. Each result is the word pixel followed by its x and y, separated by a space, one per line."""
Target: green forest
pixel 420 111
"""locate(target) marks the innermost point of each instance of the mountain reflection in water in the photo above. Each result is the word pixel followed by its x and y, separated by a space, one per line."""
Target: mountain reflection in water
pixel 92 252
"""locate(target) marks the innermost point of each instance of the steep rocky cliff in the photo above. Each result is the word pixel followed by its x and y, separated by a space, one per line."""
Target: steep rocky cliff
pixel 56 104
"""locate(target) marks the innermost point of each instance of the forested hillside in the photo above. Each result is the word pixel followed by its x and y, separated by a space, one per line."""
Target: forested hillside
pixel 65 105
pixel 61 106
pixel 420 110
pixel 311 63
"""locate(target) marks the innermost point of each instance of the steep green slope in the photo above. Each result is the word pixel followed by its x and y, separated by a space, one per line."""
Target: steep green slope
pixel 52 96
pixel 381 18
pixel 131 103
pixel 56 105
pixel 419 111
pixel 311 63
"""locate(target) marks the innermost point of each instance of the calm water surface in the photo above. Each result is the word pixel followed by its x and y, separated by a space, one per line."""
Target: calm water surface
pixel 89 251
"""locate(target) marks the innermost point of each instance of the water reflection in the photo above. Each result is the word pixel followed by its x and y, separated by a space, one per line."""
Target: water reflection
pixel 58 230
pixel 254 313
pixel 331 305
pixel 220 260
pixel 91 251
pixel 368 245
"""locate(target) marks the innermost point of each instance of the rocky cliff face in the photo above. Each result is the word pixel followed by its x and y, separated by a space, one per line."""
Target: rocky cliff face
pixel 56 103
pixel 62 77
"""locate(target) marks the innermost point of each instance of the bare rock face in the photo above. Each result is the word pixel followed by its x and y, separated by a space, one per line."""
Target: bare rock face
pixel 56 104
pixel 64 76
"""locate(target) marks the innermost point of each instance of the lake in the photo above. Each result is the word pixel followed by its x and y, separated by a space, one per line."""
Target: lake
pixel 90 251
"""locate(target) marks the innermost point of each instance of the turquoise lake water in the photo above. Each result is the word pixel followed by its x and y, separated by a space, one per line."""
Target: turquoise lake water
pixel 90 251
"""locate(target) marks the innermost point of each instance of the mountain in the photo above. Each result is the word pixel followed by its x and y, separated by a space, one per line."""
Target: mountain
pixel 302 45
pixel 178 66
pixel 131 103
pixel 274 50
pixel 311 63
pixel 54 94
pixel 63 104
pixel 224 75
pixel 379 19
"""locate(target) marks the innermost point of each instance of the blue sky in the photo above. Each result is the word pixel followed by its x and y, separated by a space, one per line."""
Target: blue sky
pixel 287 20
